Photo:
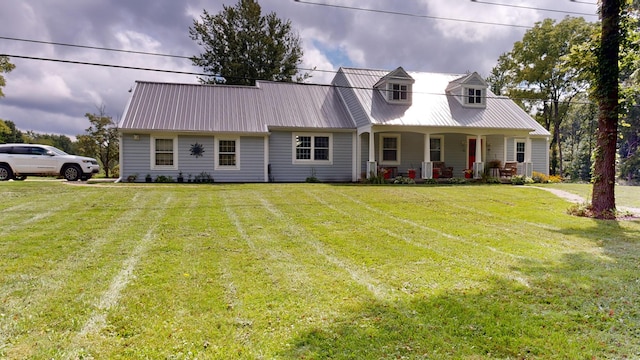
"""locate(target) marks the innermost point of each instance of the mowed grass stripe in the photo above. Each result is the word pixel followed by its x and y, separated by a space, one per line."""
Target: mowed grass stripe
pixel 75 282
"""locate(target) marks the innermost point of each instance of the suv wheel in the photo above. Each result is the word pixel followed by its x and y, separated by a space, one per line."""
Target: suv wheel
pixel 72 173
pixel 5 173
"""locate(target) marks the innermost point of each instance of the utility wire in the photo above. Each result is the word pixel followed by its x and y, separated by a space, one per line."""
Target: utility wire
pixel 379 11
pixel 94 47
pixel 533 8
pixel 497 97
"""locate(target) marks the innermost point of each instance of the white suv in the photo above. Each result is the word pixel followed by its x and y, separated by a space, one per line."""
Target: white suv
pixel 19 160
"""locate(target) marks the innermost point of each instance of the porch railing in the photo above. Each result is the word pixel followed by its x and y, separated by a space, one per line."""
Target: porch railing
pixel 427 170
pixel 372 168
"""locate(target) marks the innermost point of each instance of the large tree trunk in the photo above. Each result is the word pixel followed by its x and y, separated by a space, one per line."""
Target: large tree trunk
pixel 603 196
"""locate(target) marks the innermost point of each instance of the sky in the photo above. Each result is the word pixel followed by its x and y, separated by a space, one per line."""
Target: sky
pixel 449 36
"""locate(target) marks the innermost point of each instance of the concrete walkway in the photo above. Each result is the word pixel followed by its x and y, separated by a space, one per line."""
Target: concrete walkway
pixel 579 199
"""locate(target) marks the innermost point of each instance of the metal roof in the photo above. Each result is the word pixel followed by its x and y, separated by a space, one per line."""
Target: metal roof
pixel 432 106
pixel 234 109
pixel 255 109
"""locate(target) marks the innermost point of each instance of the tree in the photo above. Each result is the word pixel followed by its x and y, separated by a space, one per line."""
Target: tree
pixel 241 46
pixel 100 141
pixel 535 71
pixel 9 133
pixel 603 201
pixel 6 67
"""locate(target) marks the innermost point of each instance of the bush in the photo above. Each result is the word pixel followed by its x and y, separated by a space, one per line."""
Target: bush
pixel 540 178
pixel 403 180
pixel 521 180
pixel 555 179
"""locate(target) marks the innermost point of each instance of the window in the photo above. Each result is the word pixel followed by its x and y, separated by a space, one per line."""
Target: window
pixel 164 153
pixel 228 150
pixel 312 148
pixel 474 96
pixel 390 149
pixel 435 145
pixel 520 145
pixel 398 92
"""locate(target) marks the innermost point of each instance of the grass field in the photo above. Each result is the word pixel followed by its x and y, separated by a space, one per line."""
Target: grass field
pixel 311 271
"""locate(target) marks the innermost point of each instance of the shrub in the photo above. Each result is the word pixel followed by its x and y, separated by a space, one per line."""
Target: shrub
pixel 403 180
pixel 555 179
pixel 521 180
pixel 540 178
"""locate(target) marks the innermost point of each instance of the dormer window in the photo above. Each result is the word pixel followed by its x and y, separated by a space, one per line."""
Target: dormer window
pixel 398 92
pixel 470 90
pixel 474 96
pixel 396 87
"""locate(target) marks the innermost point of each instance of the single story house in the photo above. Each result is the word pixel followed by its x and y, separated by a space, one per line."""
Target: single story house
pixel 364 121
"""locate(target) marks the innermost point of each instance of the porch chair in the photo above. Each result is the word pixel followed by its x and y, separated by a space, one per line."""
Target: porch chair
pixel 510 169
pixel 445 171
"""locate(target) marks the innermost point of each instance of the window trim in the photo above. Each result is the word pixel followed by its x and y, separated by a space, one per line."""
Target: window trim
pixel 152 147
pixel 296 161
pixel 441 138
pixel 390 92
pixel 466 97
pixel 216 145
pixel 398 159
pixel 515 150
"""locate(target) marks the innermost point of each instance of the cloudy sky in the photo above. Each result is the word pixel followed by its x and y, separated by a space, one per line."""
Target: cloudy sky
pixel 449 36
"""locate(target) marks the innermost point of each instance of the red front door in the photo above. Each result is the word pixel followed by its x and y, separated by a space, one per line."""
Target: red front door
pixel 472 152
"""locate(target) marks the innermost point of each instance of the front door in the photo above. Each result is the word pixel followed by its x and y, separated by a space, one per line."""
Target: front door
pixel 472 152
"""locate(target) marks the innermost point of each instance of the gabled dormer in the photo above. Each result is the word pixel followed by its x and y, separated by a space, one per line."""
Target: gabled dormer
pixel 470 90
pixel 396 87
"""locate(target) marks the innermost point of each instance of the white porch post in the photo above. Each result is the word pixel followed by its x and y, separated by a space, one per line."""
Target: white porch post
pixel 528 165
pixel 478 166
pixel 372 167
pixel 427 165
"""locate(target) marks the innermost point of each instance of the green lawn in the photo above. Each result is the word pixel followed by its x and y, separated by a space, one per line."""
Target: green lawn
pixel 625 195
pixel 311 271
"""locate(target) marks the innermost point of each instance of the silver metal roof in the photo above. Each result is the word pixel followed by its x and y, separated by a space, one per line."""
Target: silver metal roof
pixel 236 109
pixel 255 109
pixel 432 106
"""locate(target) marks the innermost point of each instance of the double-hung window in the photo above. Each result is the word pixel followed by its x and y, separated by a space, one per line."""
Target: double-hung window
pixel 164 152
pixel 227 153
pixel 390 149
pixel 435 147
pixel 312 148
pixel 520 148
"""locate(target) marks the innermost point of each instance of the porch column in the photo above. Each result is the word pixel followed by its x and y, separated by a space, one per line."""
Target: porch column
pixel 427 165
pixel 528 165
pixel 372 167
pixel 478 166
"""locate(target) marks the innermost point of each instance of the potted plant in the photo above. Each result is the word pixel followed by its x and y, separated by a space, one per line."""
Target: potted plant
pixel 468 173
pixel 180 177
pixel 386 174
pixel 148 178
pixel 411 173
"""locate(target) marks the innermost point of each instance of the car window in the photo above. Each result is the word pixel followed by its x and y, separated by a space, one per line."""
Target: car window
pixel 5 150
pixel 21 150
pixel 38 151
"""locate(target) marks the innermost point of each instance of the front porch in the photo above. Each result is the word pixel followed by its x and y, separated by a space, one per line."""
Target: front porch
pixel 441 155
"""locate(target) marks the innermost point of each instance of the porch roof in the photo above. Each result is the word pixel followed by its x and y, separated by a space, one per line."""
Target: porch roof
pixel 432 106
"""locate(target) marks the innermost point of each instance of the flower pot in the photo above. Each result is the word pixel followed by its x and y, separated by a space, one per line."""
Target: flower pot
pixel 467 175
pixel 436 173
pixel 412 173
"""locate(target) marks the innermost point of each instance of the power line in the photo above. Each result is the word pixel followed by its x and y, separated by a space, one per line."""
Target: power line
pixel 94 47
pixel 389 12
pixel 497 97
pixel 533 8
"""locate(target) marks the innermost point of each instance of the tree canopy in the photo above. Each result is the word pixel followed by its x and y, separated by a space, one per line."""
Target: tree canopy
pixel 101 141
pixel 536 74
pixel 242 46
pixel 5 67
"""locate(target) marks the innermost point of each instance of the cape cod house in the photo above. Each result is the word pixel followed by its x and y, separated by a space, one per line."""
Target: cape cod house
pixel 366 120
